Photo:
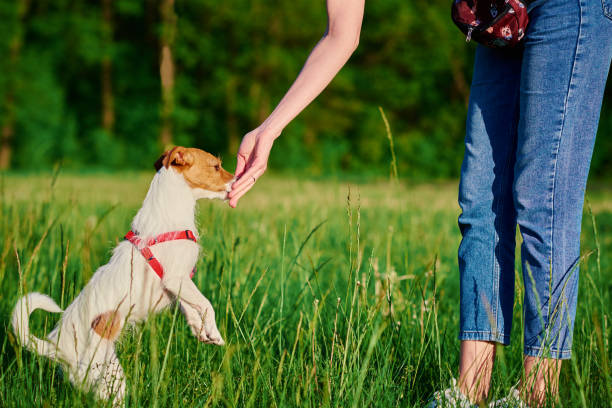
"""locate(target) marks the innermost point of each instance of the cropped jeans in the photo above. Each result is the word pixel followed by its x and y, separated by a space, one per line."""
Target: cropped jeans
pixel 531 126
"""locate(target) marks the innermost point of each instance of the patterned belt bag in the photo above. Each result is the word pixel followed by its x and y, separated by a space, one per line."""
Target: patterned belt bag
pixel 494 23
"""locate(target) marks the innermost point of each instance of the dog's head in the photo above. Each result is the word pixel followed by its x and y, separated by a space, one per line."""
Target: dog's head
pixel 202 171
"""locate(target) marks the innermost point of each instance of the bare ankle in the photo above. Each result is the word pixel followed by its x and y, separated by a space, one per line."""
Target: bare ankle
pixel 541 382
pixel 475 368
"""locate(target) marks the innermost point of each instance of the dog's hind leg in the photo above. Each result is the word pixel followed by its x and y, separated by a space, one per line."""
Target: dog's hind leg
pixel 109 378
pixel 101 372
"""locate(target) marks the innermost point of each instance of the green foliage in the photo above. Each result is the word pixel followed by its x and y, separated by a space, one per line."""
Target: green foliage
pixel 361 311
pixel 233 62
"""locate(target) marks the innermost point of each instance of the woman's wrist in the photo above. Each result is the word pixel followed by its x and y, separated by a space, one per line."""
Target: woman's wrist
pixel 268 131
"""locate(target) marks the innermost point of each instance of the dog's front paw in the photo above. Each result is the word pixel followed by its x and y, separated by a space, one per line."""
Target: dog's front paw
pixel 208 337
pixel 203 324
pixel 209 332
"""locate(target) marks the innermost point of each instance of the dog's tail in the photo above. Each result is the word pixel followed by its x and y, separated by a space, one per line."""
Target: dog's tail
pixel 21 326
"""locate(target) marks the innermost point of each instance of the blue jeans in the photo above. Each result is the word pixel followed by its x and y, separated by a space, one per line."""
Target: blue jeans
pixel 531 125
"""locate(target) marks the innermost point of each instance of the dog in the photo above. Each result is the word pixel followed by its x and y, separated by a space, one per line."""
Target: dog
pixel 146 272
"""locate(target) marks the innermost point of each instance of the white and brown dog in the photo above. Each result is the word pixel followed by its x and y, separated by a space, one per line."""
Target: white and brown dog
pixel 146 272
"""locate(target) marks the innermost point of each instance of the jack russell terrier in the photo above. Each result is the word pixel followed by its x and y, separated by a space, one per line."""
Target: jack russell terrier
pixel 147 271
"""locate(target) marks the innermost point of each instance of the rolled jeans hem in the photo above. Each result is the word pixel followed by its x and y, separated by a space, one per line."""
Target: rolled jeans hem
pixel 542 352
pixel 484 336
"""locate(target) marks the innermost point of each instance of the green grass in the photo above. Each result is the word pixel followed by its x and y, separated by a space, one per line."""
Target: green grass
pixel 327 294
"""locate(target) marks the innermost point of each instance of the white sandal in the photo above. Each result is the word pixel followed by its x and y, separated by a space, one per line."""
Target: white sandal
pixel 512 400
pixel 451 397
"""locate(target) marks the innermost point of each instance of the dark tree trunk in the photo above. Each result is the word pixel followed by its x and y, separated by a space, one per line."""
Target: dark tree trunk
pixel 7 120
pixel 166 70
pixel 108 99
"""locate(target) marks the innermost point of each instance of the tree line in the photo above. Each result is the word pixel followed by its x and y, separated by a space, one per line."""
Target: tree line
pixel 109 83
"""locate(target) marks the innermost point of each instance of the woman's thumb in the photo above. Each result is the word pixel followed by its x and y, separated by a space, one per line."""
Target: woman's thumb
pixel 240 162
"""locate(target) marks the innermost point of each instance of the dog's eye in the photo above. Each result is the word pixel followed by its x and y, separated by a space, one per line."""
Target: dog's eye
pixel 217 167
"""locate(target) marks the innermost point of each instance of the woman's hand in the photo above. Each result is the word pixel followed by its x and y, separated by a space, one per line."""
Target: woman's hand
pixel 252 162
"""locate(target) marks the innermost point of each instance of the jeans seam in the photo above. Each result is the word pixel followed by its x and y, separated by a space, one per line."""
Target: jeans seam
pixel 495 274
pixel 564 352
pixel 492 332
pixel 554 170
pixel 485 335
pixel 500 207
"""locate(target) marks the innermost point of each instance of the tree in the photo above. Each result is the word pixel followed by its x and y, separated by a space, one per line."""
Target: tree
pixel 7 128
pixel 166 69
pixel 106 83
pixel 107 97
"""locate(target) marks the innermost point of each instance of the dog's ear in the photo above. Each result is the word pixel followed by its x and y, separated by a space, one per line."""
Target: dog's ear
pixel 178 157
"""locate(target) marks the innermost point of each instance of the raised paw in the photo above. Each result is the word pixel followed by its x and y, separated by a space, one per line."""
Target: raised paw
pixel 203 324
pixel 210 330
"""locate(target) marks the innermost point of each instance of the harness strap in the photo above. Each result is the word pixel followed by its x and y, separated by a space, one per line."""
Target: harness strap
pixel 146 252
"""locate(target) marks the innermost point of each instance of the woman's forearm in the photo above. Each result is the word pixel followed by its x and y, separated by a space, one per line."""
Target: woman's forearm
pixel 324 62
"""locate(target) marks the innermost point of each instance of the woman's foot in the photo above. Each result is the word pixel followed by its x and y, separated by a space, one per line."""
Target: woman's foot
pixel 450 397
pixel 512 400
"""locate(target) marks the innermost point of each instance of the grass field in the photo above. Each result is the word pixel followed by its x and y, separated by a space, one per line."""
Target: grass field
pixel 327 294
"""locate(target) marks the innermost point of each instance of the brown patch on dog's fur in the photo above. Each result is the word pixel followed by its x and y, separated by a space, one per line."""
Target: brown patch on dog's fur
pixel 200 169
pixel 107 325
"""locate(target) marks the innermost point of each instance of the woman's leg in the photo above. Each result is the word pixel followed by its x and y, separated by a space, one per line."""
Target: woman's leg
pixel 541 381
pixel 475 368
pixel 488 219
pixel 568 48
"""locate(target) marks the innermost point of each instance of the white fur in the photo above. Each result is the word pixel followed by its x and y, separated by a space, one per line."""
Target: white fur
pixel 128 285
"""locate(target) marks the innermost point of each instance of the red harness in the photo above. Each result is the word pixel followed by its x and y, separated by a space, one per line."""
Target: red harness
pixel 146 251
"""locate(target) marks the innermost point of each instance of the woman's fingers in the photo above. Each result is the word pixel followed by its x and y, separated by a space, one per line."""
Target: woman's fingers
pixel 244 183
pixel 247 178
pixel 242 180
pixel 239 193
pixel 236 194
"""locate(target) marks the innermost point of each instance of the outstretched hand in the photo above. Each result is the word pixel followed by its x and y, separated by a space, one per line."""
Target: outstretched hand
pixel 251 163
pixel 323 63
